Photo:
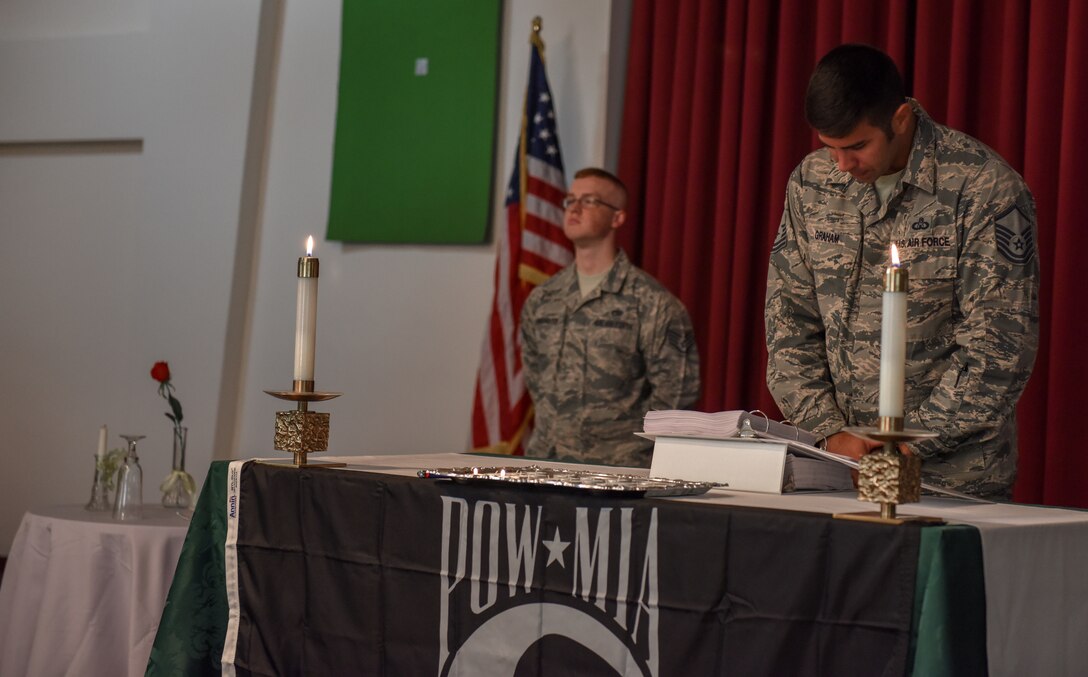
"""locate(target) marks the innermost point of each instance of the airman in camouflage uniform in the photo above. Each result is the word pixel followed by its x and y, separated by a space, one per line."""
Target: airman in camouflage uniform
pixel 595 363
pixel 964 224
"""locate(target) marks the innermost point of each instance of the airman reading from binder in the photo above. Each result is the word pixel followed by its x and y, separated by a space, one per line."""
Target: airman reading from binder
pixel 964 223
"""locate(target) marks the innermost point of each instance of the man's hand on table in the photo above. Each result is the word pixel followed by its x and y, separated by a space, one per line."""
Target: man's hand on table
pixel 845 444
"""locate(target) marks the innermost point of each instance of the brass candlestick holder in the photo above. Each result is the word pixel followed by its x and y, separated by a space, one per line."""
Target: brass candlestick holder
pixel 888 477
pixel 302 432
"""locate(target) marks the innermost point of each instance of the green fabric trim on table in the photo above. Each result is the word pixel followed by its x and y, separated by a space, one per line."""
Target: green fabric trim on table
pixel 950 577
pixel 194 622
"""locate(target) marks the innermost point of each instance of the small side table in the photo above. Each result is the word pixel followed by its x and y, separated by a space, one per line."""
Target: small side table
pixel 82 594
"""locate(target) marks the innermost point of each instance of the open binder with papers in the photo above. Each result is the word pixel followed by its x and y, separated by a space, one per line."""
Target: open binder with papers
pixel 747 451
pixel 722 425
pixel 744 450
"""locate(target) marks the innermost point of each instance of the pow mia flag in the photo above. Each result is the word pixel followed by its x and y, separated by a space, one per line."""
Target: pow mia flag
pixel 592 585
pixel 347 572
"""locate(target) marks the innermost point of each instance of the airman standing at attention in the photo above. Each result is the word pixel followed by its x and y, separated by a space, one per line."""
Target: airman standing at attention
pixel 602 341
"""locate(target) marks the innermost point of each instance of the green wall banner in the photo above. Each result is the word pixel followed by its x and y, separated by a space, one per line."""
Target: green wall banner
pixel 415 121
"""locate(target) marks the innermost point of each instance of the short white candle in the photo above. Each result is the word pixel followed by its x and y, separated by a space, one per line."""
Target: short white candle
pixel 893 338
pixel 102 435
pixel 306 315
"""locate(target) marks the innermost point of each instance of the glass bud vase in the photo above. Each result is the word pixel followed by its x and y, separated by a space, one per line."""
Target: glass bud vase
pixel 178 487
pixel 129 505
pixel 100 490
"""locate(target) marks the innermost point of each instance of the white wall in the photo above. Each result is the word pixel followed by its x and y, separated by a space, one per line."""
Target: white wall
pixel 399 327
pixel 174 235
pixel 114 254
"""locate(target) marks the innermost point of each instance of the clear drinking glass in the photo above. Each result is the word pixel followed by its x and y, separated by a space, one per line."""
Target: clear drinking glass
pixel 129 505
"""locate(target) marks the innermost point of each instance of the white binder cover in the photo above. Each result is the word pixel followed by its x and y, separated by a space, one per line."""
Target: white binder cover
pixel 742 464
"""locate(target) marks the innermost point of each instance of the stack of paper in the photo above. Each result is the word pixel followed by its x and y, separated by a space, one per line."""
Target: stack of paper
pixel 815 474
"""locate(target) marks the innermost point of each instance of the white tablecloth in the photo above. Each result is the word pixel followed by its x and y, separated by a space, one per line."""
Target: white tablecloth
pixel 82 594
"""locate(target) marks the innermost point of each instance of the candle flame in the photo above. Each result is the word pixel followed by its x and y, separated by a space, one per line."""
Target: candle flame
pixel 310 246
pixel 895 256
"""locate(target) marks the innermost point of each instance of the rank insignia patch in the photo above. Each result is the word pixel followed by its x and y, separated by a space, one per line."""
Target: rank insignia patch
pixel 779 240
pixel 678 339
pixel 1015 238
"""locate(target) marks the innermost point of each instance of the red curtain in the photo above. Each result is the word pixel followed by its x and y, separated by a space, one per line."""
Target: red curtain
pixel 713 125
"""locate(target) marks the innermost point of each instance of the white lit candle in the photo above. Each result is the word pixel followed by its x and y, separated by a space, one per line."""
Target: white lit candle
pixel 893 338
pixel 102 435
pixel 306 315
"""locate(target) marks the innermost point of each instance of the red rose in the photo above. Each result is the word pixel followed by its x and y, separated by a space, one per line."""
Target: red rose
pixel 161 372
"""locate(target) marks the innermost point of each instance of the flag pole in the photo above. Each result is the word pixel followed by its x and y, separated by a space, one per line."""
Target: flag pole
pixel 534 248
pixel 536 41
pixel 509 446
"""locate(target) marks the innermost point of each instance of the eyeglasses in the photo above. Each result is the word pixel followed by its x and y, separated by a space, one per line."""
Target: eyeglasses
pixel 586 202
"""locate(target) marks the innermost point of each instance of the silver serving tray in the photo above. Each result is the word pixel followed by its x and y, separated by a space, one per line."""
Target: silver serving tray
pixel 611 484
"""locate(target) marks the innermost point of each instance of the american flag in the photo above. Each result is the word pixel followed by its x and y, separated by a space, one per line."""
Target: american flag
pixel 533 248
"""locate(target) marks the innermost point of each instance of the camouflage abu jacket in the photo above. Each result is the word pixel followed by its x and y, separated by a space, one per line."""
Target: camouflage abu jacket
pixel 964 224
pixel 595 366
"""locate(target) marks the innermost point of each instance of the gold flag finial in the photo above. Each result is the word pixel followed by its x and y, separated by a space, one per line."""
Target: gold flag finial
pixel 535 38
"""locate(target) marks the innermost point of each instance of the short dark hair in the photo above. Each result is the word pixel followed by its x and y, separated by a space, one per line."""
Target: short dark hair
pixel 598 173
pixel 853 84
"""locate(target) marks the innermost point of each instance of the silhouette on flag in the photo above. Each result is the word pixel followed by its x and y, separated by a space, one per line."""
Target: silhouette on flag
pixel 532 249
